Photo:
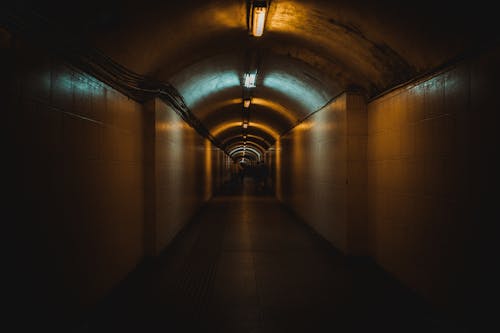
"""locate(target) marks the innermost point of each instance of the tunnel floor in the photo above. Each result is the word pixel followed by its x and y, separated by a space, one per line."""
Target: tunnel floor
pixel 247 264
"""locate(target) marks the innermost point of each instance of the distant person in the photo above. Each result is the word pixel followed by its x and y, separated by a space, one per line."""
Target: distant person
pixel 241 172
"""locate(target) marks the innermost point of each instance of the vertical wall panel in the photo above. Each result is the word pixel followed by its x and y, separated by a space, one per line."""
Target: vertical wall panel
pixel 187 170
pixel 320 172
pixel 78 184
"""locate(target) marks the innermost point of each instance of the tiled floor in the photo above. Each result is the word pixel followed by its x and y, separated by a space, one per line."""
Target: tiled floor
pixel 246 264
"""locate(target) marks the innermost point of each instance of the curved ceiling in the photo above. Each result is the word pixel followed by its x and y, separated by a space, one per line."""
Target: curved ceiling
pixel 310 52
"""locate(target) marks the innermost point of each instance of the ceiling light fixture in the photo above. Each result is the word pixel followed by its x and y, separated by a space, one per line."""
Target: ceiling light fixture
pixel 246 103
pixel 259 11
pixel 250 80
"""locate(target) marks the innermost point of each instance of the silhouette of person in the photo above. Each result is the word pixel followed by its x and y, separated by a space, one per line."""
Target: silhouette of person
pixel 241 172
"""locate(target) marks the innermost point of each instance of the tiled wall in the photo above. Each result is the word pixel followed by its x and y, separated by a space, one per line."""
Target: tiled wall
pixel 406 179
pixel 79 187
pixel 320 168
pixel 77 149
pixel 188 170
pixel 429 155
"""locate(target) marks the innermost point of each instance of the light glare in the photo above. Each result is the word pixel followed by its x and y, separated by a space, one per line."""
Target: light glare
pixel 259 17
pixel 250 80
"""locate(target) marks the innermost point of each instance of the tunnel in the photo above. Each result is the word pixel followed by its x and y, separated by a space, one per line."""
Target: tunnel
pixel 136 132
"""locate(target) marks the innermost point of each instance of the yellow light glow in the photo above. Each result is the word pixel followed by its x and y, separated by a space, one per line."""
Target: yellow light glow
pixel 283 111
pixel 208 169
pixel 279 193
pixel 304 126
pixel 245 125
pixel 204 110
pixel 242 152
pixel 225 126
pixel 259 138
pixel 259 18
pixel 249 143
pixel 246 103
pixel 275 107
pixel 250 150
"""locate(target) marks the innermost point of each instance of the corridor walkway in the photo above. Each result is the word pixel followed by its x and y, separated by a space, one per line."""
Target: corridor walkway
pixel 246 264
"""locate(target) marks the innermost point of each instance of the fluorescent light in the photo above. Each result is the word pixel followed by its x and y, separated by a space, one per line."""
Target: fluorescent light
pixel 259 18
pixel 250 79
pixel 246 103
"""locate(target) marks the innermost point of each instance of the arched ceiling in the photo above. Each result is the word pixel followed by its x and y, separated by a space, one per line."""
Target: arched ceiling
pixel 310 51
pixel 252 139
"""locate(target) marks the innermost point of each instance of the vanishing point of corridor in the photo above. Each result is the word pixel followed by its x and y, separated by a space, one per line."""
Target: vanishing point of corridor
pixel 247 264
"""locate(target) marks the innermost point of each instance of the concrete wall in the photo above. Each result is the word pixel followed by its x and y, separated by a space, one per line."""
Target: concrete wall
pixel 320 172
pixel 78 185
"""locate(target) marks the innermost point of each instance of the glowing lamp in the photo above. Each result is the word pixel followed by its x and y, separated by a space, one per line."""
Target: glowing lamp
pixel 250 79
pixel 246 103
pixel 258 20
